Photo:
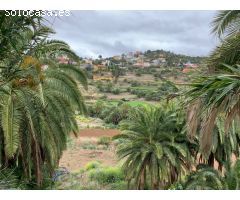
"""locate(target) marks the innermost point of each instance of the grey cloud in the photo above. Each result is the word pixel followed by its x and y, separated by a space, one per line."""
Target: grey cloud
pixel 108 33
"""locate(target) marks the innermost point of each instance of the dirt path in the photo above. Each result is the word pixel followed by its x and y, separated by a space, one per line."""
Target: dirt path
pixel 94 132
pixel 85 149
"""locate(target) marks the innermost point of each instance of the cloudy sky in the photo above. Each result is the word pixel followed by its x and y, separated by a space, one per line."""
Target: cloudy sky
pixel 91 33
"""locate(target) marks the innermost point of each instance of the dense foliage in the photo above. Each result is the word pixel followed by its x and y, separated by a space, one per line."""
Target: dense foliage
pixel 38 97
pixel 154 145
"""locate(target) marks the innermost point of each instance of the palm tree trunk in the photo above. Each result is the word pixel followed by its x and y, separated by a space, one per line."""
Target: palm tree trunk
pixel 142 179
pixel 211 160
pixel 37 165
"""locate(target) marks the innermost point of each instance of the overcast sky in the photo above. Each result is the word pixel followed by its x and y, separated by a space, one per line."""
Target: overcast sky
pixel 91 33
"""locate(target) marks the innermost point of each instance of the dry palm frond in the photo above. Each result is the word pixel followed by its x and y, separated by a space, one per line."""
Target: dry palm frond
pixel 206 131
pixel 233 112
pixel 193 118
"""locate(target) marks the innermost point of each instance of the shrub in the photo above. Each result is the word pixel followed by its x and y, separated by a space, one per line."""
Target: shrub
pixel 135 84
pixel 106 175
pixel 118 114
pixel 109 113
pixel 96 109
pixel 116 91
pixel 92 165
pixel 138 73
pixel 121 185
pixel 88 145
pixel 104 140
pixel 106 111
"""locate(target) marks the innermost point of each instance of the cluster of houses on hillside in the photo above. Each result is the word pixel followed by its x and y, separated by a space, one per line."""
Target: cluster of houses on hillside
pixel 136 59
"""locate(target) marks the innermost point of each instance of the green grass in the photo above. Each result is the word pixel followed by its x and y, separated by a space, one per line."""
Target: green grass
pixel 94 176
pixel 137 103
pixel 106 175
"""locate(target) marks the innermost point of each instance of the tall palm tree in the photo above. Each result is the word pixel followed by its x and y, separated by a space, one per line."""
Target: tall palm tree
pixel 154 146
pixel 217 94
pixel 212 96
pixel 38 100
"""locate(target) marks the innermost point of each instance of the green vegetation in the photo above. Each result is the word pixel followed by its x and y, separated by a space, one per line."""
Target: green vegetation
pixel 217 94
pixel 171 58
pixel 188 139
pixel 151 93
pixel 94 176
pixel 38 103
pixel 110 113
pixel 92 165
pixel 154 145
pixel 104 140
pixel 108 88
pixel 106 175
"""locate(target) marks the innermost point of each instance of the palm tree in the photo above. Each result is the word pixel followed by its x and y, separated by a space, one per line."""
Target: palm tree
pixel 38 100
pixel 10 35
pixel 217 94
pixel 227 27
pixel 208 178
pixel 224 146
pixel 154 147
pixel 204 178
pixel 9 180
pixel 226 23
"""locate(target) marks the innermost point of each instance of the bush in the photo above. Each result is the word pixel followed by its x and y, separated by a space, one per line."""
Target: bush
pixel 89 145
pixel 92 165
pixel 154 94
pixel 118 114
pixel 104 140
pixel 111 114
pixel 106 175
pixel 121 185
pixel 116 91
pixel 138 73
pixel 96 109
pixel 135 84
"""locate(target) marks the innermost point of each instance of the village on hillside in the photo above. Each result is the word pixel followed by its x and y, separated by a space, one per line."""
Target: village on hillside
pixel 138 59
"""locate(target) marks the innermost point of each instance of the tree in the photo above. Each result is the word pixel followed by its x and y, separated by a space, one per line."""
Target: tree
pixel 217 94
pixel 207 178
pixel 116 71
pixel 38 100
pixel 154 145
pixel 226 26
pixel 204 178
pixel 224 146
pixel 226 23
